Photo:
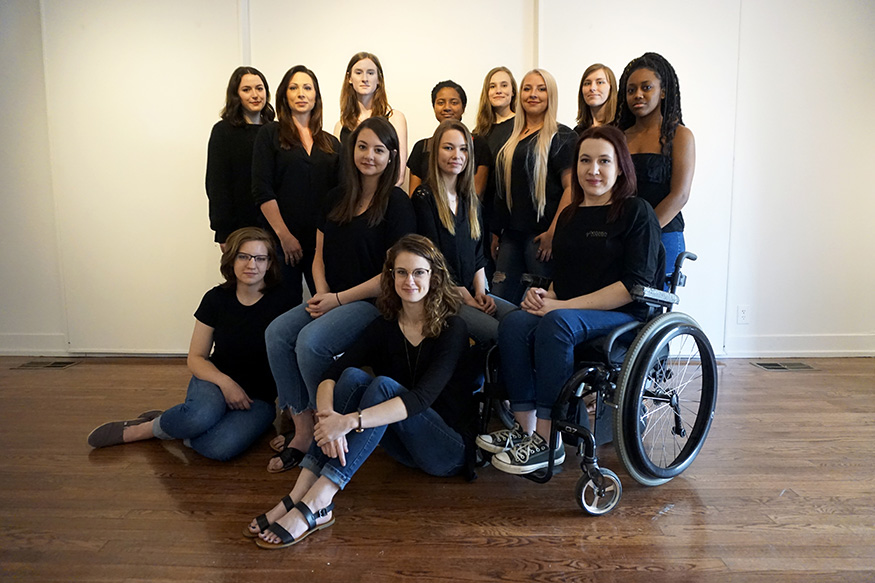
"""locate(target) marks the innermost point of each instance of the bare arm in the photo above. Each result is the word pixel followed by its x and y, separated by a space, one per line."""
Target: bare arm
pixel 319 265
pixel 481 176
pixel 337 127
pixel 200 366
pixel 539 301
pixel 683 165
pixel 413 183
pixel 400 123
pixel 322 303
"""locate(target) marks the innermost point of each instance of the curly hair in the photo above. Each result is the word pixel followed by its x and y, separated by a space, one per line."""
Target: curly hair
pixel 349 110
pixel 442 299
pixel 669 107
pixel 235 241
pixel 233 110
pixel 288 133
pixel 485 113
pixel 584 114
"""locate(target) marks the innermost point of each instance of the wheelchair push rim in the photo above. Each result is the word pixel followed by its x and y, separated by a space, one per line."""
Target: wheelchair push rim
pixel 666 396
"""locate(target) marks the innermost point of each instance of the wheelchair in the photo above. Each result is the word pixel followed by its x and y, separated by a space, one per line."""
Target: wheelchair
pixel 658 378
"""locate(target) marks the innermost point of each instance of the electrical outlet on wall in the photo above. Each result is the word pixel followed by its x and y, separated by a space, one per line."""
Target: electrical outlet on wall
pixel 743 314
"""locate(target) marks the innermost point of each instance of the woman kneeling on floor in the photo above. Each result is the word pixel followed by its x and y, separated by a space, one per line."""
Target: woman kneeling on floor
pixel 607 241
pixel 230 399
pixel 418 407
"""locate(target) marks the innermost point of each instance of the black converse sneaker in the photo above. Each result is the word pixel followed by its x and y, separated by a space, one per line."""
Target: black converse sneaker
pixel 531 454
pixel 501 440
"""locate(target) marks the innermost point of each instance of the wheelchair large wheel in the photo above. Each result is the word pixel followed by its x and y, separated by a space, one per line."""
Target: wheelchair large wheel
pixel 597 501
pixel 666 396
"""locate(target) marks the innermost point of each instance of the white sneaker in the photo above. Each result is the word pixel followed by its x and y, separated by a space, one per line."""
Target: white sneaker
pixel 532 454
pixel 501 440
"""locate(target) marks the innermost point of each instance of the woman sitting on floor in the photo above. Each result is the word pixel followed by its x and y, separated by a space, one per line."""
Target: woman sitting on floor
pixel 417 407
pixel 230 399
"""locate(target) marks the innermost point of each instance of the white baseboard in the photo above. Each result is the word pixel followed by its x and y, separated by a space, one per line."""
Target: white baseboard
pixel 790 345
pixel 33 344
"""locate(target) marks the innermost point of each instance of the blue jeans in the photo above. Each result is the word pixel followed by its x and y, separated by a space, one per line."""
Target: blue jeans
pixel 209 427
pixel 423 441
pixel 537 353
pixel 481 326
pixel 301 348
pixel 517 254
pixel 674 245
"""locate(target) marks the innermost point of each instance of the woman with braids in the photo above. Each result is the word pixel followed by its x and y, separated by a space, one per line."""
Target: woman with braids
pixel 229 154
pixel 363 95
pixel 596 98
pixel 294 165
pixel 231 394
pixel 534 176
pixel 414 405
pixel 663 149
pixel 607 242
pixel 361 220
pixel 448 212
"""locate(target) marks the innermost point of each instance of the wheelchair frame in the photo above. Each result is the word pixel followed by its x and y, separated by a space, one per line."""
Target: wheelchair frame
pixel 648 392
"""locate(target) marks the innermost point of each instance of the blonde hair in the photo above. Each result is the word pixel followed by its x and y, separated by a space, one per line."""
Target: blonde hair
pixel 464 181
pixel 349 110
pixel 542 148
pixel 485 113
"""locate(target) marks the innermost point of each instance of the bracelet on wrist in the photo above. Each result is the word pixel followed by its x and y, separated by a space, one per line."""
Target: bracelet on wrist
pixel 337 297
pixel 359 429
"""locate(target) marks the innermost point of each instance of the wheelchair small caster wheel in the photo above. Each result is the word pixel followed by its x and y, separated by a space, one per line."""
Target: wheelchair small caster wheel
pixel 595 500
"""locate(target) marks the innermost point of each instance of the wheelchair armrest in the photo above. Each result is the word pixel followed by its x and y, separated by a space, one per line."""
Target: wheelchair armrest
pixel 654 297
pixel 612 337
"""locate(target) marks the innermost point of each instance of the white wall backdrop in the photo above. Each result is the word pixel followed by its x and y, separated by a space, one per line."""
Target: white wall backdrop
pixel 106 243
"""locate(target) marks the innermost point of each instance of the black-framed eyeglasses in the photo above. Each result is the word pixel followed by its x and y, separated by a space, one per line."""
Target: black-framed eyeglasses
pixel 418 274
pixel 246 258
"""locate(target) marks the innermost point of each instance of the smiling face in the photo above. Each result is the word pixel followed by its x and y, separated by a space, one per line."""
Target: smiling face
pixel 597 171
pixel 500 90
pixel 448 104
pixel 371 156
pixel 452 153
pixel 364 77
pixel 596 89
pixel 252 93
pixel 301 93
pixel 644 92
pixel 533 95
pixel 251 263
pixel 412 275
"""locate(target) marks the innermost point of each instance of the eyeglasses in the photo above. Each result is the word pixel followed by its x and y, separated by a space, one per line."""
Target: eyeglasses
pixel 418 274
pixel 246 257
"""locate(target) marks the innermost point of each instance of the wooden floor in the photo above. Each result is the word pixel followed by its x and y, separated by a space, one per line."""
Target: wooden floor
pixel 784 490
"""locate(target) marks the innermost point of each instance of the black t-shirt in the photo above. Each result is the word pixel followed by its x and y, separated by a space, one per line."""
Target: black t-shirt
pixel 523 215
pixel 229 178
pixel 238 336
pixel 428 371
pixel 355 252
pixel 589 253
pixel 296 180
pixel 418 160
pixel 464 255
pixel 495 140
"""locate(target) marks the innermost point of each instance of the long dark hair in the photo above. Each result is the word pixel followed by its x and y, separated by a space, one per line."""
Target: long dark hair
pixel 233 110
pixel 288 133
pixel 234 242
pixel 670 105
pixel 442 299
pixel 349 111
pixel 344 211
pixel 626 185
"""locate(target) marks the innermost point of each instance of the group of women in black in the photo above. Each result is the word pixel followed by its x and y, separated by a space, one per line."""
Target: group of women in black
pixel 403 284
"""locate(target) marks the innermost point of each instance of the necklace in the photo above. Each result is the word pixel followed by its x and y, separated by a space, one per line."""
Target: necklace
pixel 412 367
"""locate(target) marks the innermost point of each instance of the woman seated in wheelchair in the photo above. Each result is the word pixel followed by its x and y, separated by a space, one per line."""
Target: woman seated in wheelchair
pixel 607 241
pixel 418 407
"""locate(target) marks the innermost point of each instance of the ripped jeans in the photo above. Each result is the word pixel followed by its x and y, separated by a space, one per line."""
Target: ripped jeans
pixel 517 254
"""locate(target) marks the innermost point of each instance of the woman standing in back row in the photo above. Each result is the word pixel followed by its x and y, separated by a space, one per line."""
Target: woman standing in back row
pixel 229 154
pixel 663 149
pixel 363 95
pixel 295 163
pixel 596 98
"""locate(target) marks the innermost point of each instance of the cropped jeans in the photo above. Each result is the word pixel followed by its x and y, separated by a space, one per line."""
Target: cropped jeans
pixel 300 348
pixel 423 441
pixel 674 245
pixel 537 352
pixel 209 427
